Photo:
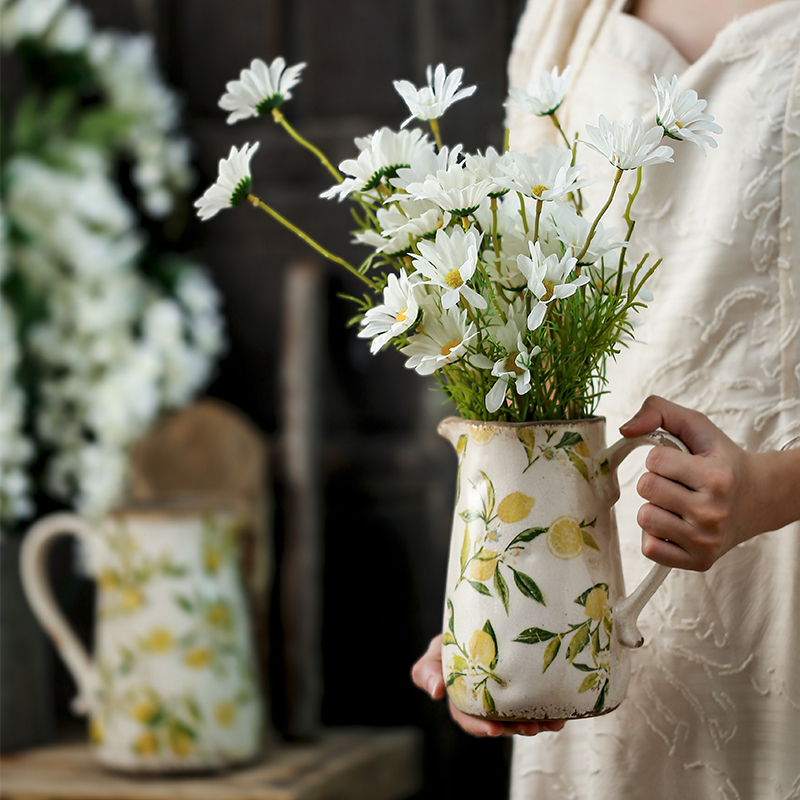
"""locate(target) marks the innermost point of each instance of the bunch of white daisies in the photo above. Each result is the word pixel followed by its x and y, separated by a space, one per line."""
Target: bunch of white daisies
pixel 485 270
pixel 91 350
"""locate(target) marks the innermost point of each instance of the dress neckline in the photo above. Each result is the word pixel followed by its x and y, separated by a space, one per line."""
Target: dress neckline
pixel 726 33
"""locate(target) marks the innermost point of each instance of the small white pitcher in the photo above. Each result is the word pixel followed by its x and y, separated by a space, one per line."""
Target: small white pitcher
pixel 537 624
pixel 172 685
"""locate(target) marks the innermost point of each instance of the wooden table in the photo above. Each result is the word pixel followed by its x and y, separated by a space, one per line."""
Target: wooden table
pixel 343 764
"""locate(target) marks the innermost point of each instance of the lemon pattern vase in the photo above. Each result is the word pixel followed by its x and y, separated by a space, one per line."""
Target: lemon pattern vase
pixel 172 683
pixel 537 624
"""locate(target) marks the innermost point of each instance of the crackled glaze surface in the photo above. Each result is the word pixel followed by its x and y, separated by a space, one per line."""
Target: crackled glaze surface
pixel 533 573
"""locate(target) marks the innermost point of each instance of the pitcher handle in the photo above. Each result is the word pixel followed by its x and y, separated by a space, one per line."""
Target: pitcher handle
pixel 33 567
pixel 626 613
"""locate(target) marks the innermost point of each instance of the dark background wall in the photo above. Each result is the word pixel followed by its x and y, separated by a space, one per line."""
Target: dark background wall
pixel 387 477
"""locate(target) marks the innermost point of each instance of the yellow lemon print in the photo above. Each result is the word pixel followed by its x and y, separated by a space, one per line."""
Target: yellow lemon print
pixel 564 539
pixel 481 647
pixel 180 742
pixel 131 598
pixel 96 731
pixel 482 434
pixel 197 657
pixel 146 744
pixel 582 449
pixel 108 579
pixel 160 640
pixel 458 692
pixel 597 603
pixel 515 507
pixel 212 560
pixel 145 710
pixel 483 567
pixel 225 713
pixel 219 614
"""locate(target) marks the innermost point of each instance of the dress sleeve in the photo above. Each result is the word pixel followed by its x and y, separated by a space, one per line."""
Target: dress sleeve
pixel 789 257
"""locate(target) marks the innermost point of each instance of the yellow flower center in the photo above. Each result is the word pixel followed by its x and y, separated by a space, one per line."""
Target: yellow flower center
pixel 548 290
pixel 450 346
pixel 677 122
pixel 537 191
pixel 401 317
pixel 510 364
pixel 453 279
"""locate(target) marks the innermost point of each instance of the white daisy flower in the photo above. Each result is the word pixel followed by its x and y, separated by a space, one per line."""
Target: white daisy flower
pixel 433 100
pixel 259 89
pixel 564 230
pixel 546 176
pixel 449 262
pixel 513 368
pixel 544 95
pixel 681 115
pixel 456 190
pixel 426 163
pixel 444 340
pixel 548 280
pixel 398 313
pixel 232 185
pixel 400 228
pixel 382 154
pixel 628 146
pixel 491 165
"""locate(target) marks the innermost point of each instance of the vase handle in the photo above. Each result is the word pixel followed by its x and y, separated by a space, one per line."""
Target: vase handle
pixel 626 613
pixel 33 567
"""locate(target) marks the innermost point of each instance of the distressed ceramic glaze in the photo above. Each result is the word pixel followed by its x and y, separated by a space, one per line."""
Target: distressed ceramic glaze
pixel 172 684
pixel 537 625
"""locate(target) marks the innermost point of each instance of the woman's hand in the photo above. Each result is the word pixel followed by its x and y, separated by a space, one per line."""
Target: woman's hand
pixel 427 675
pixel 703 503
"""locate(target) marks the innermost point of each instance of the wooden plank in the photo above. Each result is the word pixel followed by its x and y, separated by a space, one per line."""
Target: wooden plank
pixel 355 764
pixel 303 339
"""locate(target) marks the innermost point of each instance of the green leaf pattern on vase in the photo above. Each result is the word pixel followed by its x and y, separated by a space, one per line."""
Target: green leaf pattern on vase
pixel 534 573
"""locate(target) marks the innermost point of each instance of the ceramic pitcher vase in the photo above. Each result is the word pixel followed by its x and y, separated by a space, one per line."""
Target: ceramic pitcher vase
pixel 537 624
pixel 172 683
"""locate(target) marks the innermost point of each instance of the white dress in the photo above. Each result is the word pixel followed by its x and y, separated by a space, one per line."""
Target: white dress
pixel 713 708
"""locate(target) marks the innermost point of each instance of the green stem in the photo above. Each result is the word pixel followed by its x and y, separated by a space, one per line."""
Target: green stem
pixel 599 216
pixel 555 122
pixel 522 212
pixel 258 203
pixel 539 204
pixel 277 115
pixel 631 222
pixel 434 123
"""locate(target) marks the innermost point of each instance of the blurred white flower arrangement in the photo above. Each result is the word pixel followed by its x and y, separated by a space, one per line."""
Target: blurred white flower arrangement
pixel 486 269
pixel 102 327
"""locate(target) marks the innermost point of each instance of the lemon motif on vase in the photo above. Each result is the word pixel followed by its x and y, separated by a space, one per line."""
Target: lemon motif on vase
pixel 482 648
pixel 146 744
pixel 198 657
pixel 460 692
pixel 180 742
pixel 159 640
pixel 225 713
pixel 596 606
pixel 482 434
pixel 482 568
pixel 515 507
pixel 565 538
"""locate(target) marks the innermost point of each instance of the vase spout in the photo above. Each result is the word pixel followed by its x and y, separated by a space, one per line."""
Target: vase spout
pixel 451 428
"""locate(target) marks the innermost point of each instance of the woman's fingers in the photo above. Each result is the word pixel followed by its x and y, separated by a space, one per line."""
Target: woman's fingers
pixel 427 671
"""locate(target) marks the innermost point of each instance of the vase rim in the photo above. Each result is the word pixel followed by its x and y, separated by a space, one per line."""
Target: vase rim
pixel 594 420
pixel 179 506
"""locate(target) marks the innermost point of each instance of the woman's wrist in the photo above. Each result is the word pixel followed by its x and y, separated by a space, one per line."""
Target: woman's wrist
pixel 774 489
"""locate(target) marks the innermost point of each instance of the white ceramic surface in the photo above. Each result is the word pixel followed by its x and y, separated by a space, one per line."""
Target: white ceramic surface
pixel 172 684
pixel 537 625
